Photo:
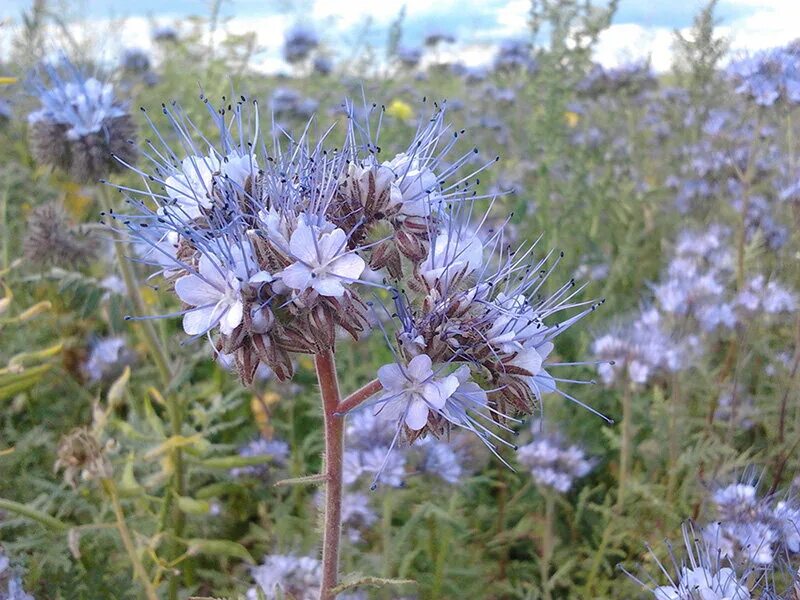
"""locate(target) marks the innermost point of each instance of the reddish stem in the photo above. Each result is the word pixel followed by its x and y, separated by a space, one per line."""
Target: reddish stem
pixel 332 468
pixel 359 396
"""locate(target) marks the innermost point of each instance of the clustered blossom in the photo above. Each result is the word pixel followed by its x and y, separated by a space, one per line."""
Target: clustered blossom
pixel 629 79
pixel 283 576
pixel 769 76
pixel 271 251
pixel 702 574
pixel 298 43
pixel 277 451
pixel 81 127
pixel 107 357
pixel 514 55
pixel 751 526
pixel 552 462
pixel 693 297
pixel 288 103
pixel 641 350
pixel 10 581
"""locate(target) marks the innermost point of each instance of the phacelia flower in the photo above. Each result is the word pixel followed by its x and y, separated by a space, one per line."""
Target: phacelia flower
pixel 553 463
pixel 81 127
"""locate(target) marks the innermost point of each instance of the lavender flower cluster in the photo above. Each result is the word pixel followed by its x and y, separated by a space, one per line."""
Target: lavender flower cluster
pixel 694 294
pixel 769 76
pixel 753 527
pixel 271 251
pixel 552 462
pixel 81 126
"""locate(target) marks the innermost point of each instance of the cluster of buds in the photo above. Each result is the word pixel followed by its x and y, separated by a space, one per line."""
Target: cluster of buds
pixel 80 126
pixel 271 252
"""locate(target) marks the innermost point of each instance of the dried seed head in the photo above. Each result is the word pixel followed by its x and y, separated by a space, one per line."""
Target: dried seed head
pixel 81 455
pixel 52 240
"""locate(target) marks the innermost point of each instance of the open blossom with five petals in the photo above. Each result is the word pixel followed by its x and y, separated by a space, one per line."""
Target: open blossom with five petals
pixel 191 187
pixel 413 391
pixel 451 255
pixel 415 186
pixel 323 262
pixel 216 293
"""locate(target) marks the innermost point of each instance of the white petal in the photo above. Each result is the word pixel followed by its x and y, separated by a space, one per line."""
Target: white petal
pixel 232 318
pixel 302 245
pixel 198 321
pixel 391 377
pixel 332 244
pixel 328 286
pixel 545 349
pixel 213 272
pixel 417 415
pixel 261 277
pixel 529 360
pixel 349 266
pixel 196 292
pixel 419 368
pixel 297 276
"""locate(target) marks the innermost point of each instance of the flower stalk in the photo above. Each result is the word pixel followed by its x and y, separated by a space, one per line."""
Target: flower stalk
pixel 124 533
pixel 332 469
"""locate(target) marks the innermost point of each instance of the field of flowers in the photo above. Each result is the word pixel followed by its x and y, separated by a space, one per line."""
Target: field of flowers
pixel 561 301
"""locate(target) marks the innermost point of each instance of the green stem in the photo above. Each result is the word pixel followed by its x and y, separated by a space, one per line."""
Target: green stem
pixel 386 530
pixel 31 513
pixel 147 330
pixel 547 543
pixel 122 526
pixel 171 517
pixel 625 445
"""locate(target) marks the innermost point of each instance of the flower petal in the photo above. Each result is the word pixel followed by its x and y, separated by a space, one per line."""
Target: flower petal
pixel 303 245
pixel 328 286
pixel 297 276
pixel 417 415
pixel 198 321
pixel 349 266
pixel 194 291
pixel 391 377
pixel 419 368
pixel 232 318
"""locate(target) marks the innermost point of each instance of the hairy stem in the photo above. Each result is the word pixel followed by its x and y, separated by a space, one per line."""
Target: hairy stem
pixel 332 469
pixel 359 396
pixel 122 526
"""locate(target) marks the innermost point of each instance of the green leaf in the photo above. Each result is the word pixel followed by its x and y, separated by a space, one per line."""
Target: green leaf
pixel 307 480
pixel 31 513
pixel 219 548
pixel 355 580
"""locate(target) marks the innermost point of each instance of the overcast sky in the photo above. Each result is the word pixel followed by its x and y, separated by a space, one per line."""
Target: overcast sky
pixel 641 28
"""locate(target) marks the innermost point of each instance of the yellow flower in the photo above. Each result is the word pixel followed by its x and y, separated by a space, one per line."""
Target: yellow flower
pixel 571 118
pixel 259 406
pixel 400 110
pixel 7 80
pixel 76 199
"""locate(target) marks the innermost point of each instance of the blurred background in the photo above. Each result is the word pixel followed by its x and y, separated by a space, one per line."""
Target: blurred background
pixel 655 144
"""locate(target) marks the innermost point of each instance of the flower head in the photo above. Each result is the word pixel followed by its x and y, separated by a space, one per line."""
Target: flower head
pixel 81 127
